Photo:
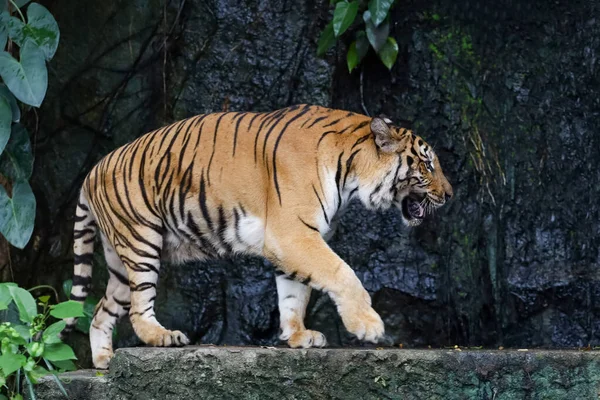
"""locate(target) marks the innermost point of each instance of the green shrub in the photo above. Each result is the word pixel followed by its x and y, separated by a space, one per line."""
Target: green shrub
pixel 30 346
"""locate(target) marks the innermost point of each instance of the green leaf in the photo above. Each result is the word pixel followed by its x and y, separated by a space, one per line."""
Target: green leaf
pixel 3 36
pixel 377 35
pixel 326 40
pixel 83 324
pixel 67 309
pixel 9 363
pixel 51 333
pixel 16 112
pixel 5 122
pixel 23 331
pixel 25 303
pixel 59 352
pixel 36 373
pixel 14 26
pixel 357 51
pixel 352 57
pixel 379 10
pixel 65 365
pixel 2 397
pixel 17 160
pixel 343 16
pixel 5 297
pixel 67 286
pixel 42 29
pixel 17 214
pixel 44 299
pixel 389 52
pixel 27 79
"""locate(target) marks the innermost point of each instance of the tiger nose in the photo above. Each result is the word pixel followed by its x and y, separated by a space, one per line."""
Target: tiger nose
pixel 448 196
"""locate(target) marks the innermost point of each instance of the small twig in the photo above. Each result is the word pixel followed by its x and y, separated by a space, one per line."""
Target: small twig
pixel 12 276
pixel 362 97
pixel 46 287
pixel 37 127
pixel 18 10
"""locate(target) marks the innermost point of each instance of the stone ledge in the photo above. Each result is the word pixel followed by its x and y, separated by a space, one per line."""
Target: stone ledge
pixel 208 372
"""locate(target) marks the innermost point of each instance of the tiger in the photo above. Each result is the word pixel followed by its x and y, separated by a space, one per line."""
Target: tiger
pixel 268 184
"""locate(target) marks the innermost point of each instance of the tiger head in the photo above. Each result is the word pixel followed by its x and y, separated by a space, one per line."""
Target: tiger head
pixel 417 183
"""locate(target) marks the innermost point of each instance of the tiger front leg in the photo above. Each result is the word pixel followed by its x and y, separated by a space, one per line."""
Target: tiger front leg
pixel 309 259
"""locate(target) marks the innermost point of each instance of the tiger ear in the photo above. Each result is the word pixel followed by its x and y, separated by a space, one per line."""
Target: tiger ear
pixel 386 138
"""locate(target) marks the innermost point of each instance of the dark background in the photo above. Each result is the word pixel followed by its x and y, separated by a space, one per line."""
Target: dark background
pixel 508 93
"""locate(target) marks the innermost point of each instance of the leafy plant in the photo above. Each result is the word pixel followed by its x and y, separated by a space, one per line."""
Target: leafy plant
pixel 375 34
pixel 89 305
pixel 24 78
pixel 30 346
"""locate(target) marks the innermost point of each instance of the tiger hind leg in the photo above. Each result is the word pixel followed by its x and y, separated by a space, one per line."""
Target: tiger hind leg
pixel 293 298
pixel 142 264
pixel 113 306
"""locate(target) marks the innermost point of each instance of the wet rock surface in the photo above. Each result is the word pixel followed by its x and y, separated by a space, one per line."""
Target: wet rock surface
pixel 508 94
pixel 255 373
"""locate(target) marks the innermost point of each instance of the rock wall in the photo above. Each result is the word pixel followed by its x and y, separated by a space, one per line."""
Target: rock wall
pixel 251 373
pixel 507 92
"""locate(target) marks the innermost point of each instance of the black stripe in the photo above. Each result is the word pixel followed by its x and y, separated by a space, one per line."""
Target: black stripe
pixel 359 126
pixel 222 229
pixel 203 206
pixel 321 203
pixel 235 133
pixel 83 206
pixel 214 147
pixel 79 233
pixel 79 280
pixel 121 303
pixel 316 121
pixel 349 165
pixel 277 121
pixel 118 275
pixel 83 258
pixel 236 222
pixel 338 175
pixel 143 312
pixel 112 314
pixel 332 123
pixel 143 286
pixel 300 114
pixel 77 298
pixel 306 280
pixel 267 118
pixel 323 136
pixel 80 218
pixel 360 140
pixel 308 225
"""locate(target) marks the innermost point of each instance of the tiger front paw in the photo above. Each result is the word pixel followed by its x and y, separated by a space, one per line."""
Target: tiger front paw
pixel 364 322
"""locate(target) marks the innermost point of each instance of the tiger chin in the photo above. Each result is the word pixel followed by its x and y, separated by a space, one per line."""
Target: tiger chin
pixel 264 184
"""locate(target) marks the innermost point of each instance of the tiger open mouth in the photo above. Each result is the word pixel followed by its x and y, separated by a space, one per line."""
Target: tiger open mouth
pixel 412 207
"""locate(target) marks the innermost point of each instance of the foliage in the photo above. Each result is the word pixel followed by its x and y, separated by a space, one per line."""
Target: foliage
pixel 89 305
pixel 30 340
pixel 375 33
pixel 24 79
